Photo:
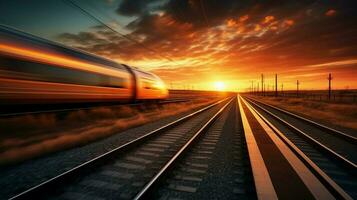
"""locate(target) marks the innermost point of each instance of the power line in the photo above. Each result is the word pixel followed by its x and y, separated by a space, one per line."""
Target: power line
pixel 204 12
pixel 75 5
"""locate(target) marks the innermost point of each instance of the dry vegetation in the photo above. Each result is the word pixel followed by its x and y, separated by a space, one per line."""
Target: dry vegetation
pixel 30 136
pixel 344 115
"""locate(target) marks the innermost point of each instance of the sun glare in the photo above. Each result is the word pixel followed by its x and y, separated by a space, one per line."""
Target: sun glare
pixel 220 86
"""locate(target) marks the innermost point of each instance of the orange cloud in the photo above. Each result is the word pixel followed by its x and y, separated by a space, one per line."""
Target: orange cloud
pixel 268 19
pixel 274 28
pixel 228 47
pixel 330 12
pixel 243 18
pixel 231 23
pixel 257 27
pixel 289 22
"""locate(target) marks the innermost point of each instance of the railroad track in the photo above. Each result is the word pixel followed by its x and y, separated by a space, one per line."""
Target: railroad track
pixel 235 148
pixel 156 151
pixel 5 113
pixel 202 171
pixel 338 145
pixel 327 153
pixel 350 138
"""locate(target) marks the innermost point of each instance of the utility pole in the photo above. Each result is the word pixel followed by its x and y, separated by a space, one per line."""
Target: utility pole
pixel 258 88
pixel 329 86
pixel 252 91
pixel 282 89
pixel 263 85
pixel 276 85
pixel 297 88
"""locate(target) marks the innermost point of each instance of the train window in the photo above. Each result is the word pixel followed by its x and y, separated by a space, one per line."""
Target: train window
pixel 28 70
pixel 87 57
pixel 117 82
pixel 146 85
pixel 149 85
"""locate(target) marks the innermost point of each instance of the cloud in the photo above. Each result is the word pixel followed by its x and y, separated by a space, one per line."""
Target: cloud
pixel 330 12
pixel 288 22
pixel 137 7
pixel 82 38
pixel 319 74
pixel 268 19
pixel 243 18
pixel 336 63
pixel 266 35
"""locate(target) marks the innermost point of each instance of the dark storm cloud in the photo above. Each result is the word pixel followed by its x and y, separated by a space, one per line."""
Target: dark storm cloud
pixel 211 12
pixel 204 14
pixel 134 7
pixel 318 37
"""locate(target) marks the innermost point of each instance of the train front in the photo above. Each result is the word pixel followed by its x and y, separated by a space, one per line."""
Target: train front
pixel 164 92
pixel 149 86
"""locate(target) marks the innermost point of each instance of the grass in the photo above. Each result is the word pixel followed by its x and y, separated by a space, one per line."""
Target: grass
pixel 337 114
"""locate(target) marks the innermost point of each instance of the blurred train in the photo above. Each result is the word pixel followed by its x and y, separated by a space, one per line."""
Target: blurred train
pixel 37 71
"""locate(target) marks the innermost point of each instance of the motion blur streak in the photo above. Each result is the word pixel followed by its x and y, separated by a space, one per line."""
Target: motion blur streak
pixel 55 60
pixel 66 75
pixel 85 127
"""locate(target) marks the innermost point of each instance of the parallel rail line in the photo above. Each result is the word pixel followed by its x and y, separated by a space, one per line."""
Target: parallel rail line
pixel 187 142
pixel 346 162
pixel 329 182
pixel 84 169
pixel 330 130
pixel 169 165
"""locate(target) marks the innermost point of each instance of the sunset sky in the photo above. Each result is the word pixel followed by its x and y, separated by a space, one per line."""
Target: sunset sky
pixel 199 43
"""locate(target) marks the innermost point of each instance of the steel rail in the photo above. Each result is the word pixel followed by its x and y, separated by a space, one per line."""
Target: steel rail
pixel 321 175
pixel 83 168
pixel 329 130
pixel 163 171
pixel 347 163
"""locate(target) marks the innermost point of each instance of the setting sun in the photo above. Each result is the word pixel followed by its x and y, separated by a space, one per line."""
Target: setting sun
pixel 220 86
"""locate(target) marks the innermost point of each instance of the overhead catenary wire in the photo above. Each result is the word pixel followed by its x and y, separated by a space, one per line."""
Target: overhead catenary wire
pixel 75 5
pixel 204 12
